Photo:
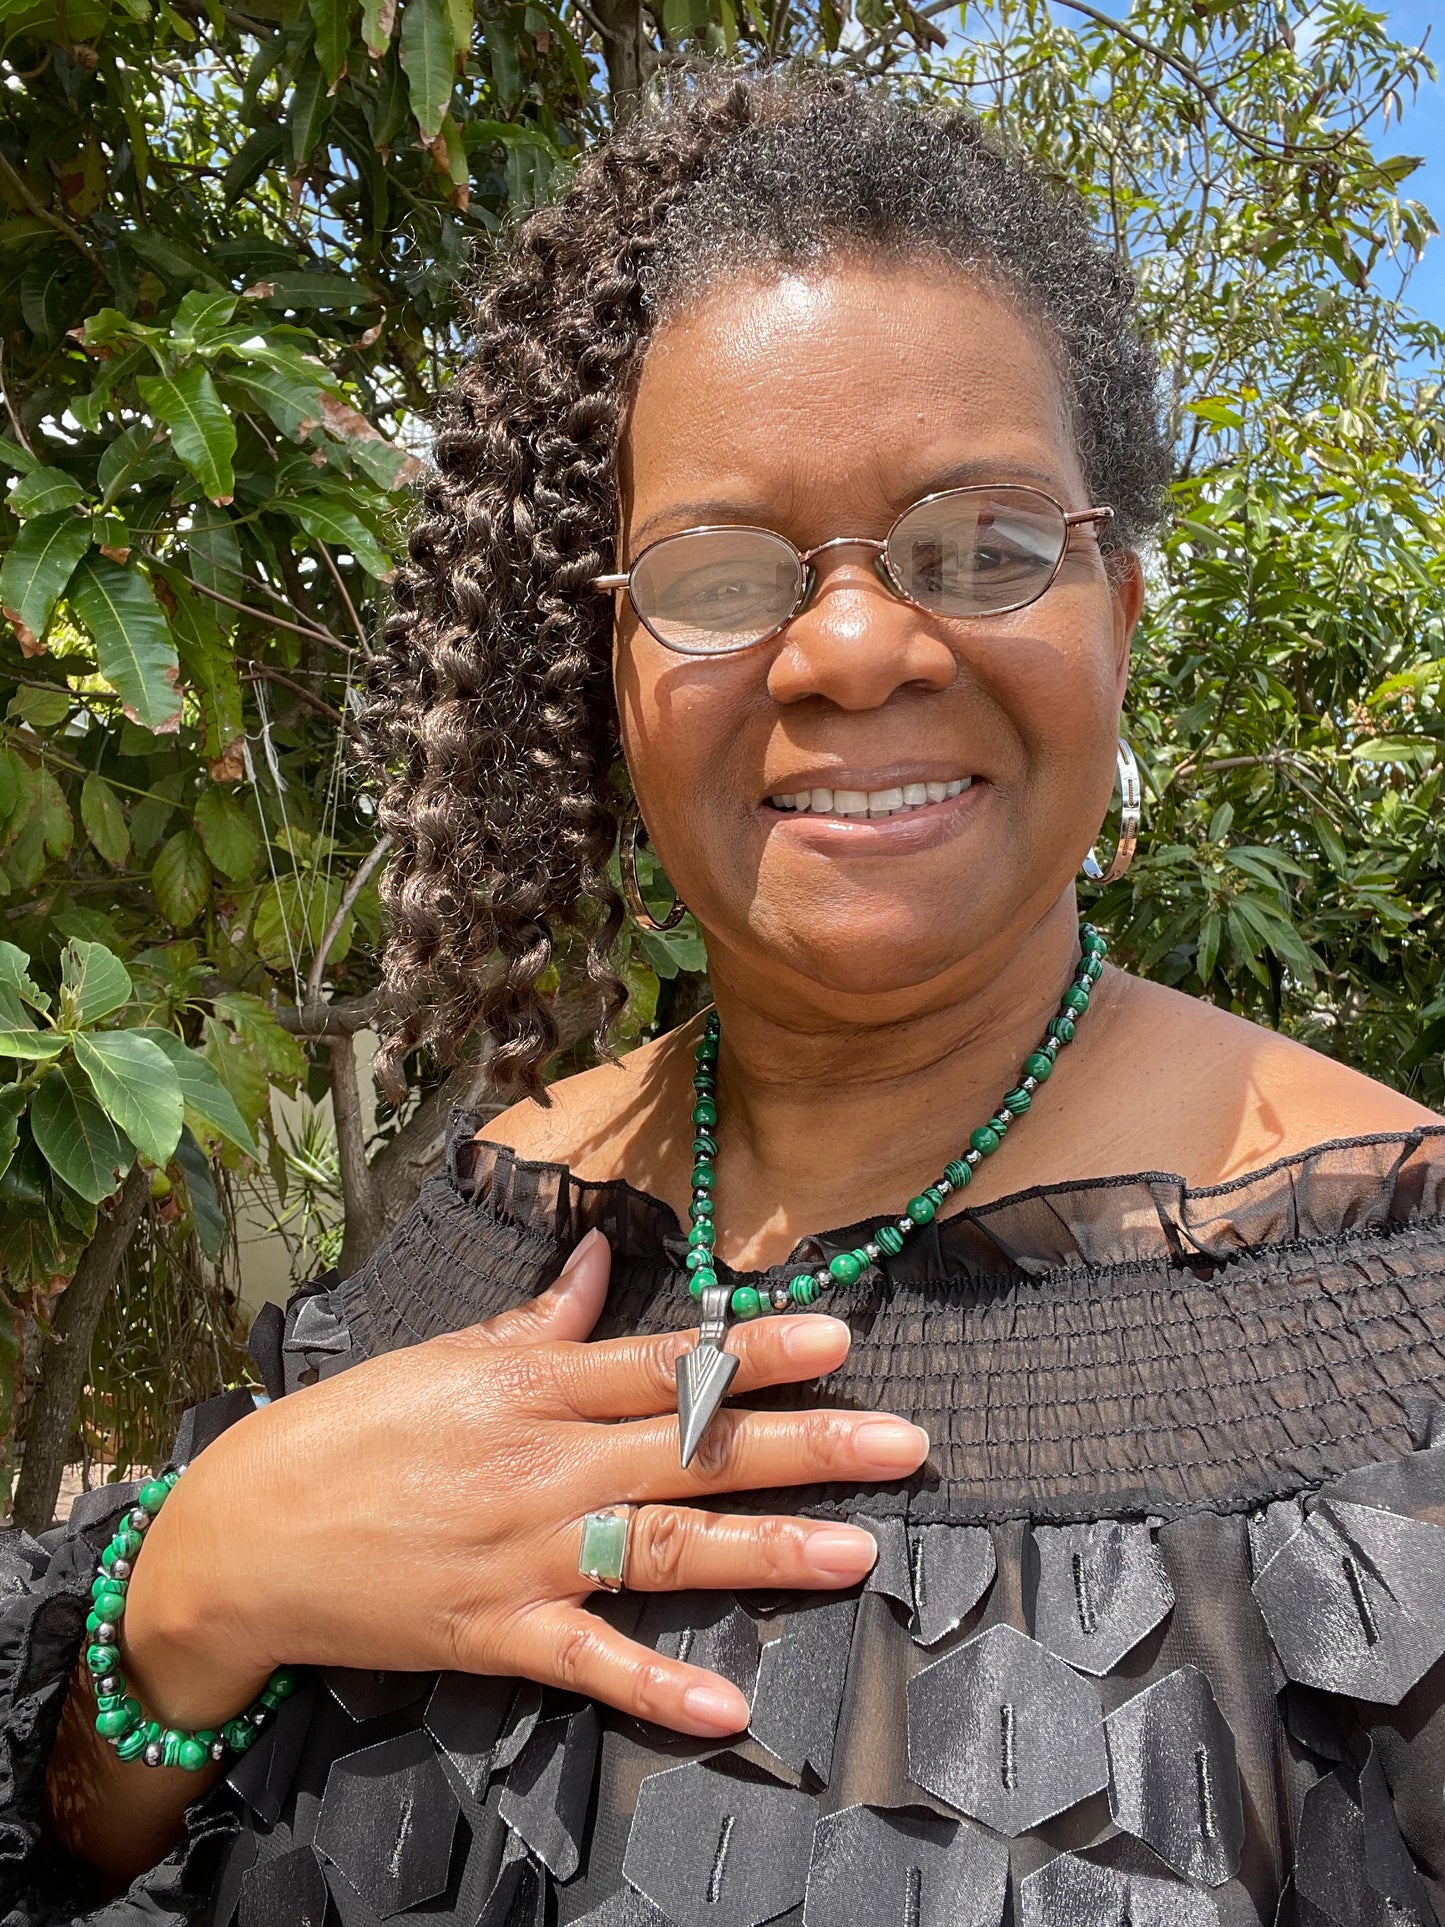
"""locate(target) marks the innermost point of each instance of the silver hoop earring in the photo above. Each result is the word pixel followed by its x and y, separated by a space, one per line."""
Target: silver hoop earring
pixel 632 828
pixel 1130 800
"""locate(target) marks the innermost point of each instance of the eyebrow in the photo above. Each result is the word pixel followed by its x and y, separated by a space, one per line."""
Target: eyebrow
pixel 728 511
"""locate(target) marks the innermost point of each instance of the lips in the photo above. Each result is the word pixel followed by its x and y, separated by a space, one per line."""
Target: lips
pixel 895 800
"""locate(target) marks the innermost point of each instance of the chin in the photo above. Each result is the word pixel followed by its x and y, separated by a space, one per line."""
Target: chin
pixel 868 957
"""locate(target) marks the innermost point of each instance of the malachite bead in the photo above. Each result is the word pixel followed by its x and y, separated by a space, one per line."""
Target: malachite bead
pixel 702 1279
pixel 958 1174
pixel 153 1495
pixel 108 1702
pixel 192 1755
pixel 704 1146
pixel 104 1583
pixel 701 1234
pixel 240 1735
pixel 846 1268
pixel 804 1289
pixel 1017 1101
pixel 701 1210
pixel 171 1743
pixel 704 1175
pixel 100 1659
pixel 921 1210
pixel 1039 1065
pixel 1092 943
pixel 704 1111
pixel 706 1052
pixel 284 1683
pixel 695 1260
pixel 1063 1029
pixel 115 1725
pixel 1092 968
pixel 704 1077
pixel 134 1743
pixel 1075 999
pixel 746 1303
pixel 932 1191
pixel 111 1607
pixel 889 1238
pixel 985 1140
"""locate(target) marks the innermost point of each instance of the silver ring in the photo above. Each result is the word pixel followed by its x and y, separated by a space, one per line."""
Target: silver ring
pixel 602 1557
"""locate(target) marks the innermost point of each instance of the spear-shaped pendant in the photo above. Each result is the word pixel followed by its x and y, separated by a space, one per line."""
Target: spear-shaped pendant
pixel 704 1373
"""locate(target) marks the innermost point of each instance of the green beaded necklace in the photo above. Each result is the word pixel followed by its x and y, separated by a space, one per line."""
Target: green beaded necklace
pixel 703 1375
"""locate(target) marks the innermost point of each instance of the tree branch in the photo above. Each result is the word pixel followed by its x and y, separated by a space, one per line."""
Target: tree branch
pixel 363 1221
pixel 353 890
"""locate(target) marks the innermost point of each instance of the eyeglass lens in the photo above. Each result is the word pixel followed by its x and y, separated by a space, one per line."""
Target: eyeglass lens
pixel 969 552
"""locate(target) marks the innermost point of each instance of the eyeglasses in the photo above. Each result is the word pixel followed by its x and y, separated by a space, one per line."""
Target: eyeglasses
pixel 961 552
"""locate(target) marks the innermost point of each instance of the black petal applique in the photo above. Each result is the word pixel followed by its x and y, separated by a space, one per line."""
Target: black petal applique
pixel 707 1629
pixel 1355 1601
pixel 892 1572
pixel 710 1849
pixel 286 1892
pixel 800 1685
pixel 387 1823
pixel 1004 1732
pixel 545 1795
pixel 102 1503
pixel 1100 1588
pixel 625 1908
pixel 1174 1780
pixel 1352 1869
pixel 1075 1893
pixel 874 1869
pixel 953 1567
pixel 263 1777
pixel 464 1716
pixel 370 1695
pixel 1272 1528
pixel 240 1855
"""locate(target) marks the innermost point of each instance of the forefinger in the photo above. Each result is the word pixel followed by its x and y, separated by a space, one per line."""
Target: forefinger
pixel 636 1377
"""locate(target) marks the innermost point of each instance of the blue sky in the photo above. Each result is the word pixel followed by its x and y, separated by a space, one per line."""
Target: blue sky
pixel 1422 131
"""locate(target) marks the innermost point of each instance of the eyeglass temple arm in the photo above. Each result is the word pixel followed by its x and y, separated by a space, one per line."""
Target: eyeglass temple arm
pixel 1077 517
pixel 605 584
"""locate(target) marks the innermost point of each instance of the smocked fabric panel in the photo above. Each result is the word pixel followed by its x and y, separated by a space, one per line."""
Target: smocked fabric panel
pixel 1148 1714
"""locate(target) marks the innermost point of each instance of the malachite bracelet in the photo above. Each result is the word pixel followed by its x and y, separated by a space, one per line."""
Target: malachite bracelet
pixel 888 1238
pixel 119 1718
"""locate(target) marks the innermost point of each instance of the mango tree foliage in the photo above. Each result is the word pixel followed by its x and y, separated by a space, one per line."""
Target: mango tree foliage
pixel 232 247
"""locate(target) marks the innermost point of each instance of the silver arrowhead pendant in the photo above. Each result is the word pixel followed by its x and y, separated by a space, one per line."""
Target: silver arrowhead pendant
pixel 704 1373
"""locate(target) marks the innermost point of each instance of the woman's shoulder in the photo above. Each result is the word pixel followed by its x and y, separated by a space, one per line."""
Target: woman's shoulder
pixel 1229 1095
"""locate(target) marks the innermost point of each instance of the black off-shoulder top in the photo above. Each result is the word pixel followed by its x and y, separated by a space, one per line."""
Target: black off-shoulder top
pixel 1155 1639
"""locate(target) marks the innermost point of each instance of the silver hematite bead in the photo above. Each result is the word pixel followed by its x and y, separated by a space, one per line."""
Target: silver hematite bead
pixel 780 1298
pixel 973 1157
pixel 218 1749
pixel 153 1754
pixel 105 1633
pixel 120 1569
pixel 874 1252
pixel 1029 1084
pixel 260 1716
pixel 110 1684
pixel 905 1224
pixel 942 1187
pixel 139 1519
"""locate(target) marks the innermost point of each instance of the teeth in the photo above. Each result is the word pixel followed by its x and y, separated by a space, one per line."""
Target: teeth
pixel 873 803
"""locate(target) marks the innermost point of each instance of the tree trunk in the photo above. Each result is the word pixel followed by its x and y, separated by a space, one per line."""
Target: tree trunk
pixel 621 24
pixel 360 1193
pixel 65 1358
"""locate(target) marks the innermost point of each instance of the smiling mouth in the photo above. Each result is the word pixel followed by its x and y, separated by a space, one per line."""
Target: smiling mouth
pixel 900 800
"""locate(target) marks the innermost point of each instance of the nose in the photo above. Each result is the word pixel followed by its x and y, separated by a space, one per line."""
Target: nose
pixel 855 644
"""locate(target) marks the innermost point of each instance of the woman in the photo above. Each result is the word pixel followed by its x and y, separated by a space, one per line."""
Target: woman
pixel 1082 1561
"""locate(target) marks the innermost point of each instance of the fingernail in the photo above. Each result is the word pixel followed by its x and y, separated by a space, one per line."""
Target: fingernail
pixel 815 1337
pixel 841 1552
pixel 583 1246
pixel 892 1443
pixel 720 1707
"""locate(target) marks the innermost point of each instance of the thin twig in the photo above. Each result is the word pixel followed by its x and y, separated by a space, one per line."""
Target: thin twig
pixel 333 930
pixel 15 421
pixel 265 615
pixel 43 213
pixel 345 595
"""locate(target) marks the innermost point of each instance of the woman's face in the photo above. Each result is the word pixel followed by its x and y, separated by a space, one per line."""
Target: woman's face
pixel 821 405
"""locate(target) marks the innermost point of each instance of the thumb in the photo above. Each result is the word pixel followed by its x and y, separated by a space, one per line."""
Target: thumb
pixel 568 1309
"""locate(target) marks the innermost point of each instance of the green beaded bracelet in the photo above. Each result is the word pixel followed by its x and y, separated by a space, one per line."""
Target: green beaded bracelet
pixel 119 1718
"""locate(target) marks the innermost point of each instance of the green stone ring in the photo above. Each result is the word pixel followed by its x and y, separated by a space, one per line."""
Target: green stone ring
pixel 603 1556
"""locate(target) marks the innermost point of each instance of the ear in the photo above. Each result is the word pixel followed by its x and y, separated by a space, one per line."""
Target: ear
pixel 1126 591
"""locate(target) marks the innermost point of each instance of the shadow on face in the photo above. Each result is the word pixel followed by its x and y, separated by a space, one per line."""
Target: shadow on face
pixel 818 405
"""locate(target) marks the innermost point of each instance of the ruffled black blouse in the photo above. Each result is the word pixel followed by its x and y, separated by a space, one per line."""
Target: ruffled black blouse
pixel 1155 1639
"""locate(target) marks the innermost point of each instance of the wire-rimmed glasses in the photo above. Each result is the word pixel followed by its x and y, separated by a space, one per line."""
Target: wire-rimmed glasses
pixel 978 551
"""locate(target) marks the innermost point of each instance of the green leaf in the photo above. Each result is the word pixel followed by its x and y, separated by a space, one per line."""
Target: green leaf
pixel 181 879
pixel 1208 947
pixel 45 833
pixel 200 318
pixel 137 1085
pixel 80 1142
pixel 13 1099
pixel 209 665
pixel 202 431
pixel 215 555
pixel 378 17
pixel 292 916
pixel 310 111
pixel 317 291
pixel 230 840
pixel 333 521
pixel 41 708
pixel 133 456
pixel 293 405
pixel 332 20
pixel 104 820
pixel 35 1044
pixel 44 491
pixel 202 1091
pixel 37 568
pixel 250 161
pixel 18 988
pixel 94 982
pixel 428 58
pixel 133 643
pixel 206 1213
